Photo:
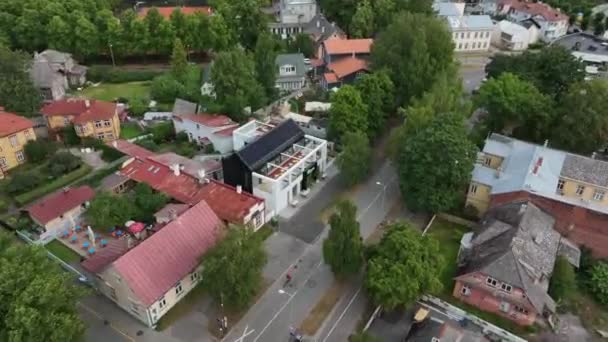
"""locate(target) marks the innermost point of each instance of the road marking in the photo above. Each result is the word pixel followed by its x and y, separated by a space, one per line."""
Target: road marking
pixel 245 334
pixel 96 314
pixel 342 314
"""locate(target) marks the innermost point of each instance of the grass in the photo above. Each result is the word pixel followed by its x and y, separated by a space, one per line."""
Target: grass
pixel 95 179
pixel 182 308
pixel 112 91
pixel 264 232
pixel 319 313
pixel 47 188
pixel 130 130
pixel 62 252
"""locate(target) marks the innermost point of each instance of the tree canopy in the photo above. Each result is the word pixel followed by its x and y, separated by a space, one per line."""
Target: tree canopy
pixel 232 270
pixel 563 279
pixel 380 100
pixel 354 161
pixel 245 17
pixel 343 248
pixel 403 266
pixel 264 57
pixel 599 281
pixel 38 299
pixel 348 113
pixel 108 210
pixel 17 92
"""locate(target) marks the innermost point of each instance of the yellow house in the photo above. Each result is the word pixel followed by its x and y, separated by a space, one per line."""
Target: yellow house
pixel 91 118
pixel 15 132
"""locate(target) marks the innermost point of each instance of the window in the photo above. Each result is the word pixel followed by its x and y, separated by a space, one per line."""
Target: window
pixel 487 161
pixel 20 156
pixel 521 310
pixel 598 195
pixel 98 124
pixel 162 303
pixel 459 46
pixel 462 35
pixel 466 46
pixel 107 123
pixel 487 35
pixel 580 189
pixel 504 307
pixel 3 163
pixel 472 188
pixel 198 126
pixel 476 35
pixel 560 186
pixel 465 290
pixel 178 288
pixel 100 136
pixel 27 133
pixel 506 287
pixel 13 140
pixel 491 281
pixel 468 35
pixel 194 277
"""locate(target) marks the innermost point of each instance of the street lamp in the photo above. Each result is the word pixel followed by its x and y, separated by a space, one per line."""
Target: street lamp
pixel 112 55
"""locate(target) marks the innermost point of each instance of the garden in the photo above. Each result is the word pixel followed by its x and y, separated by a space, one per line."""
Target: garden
pixel 165 140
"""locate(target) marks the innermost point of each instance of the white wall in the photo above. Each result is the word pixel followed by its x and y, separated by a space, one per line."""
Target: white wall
pixel 196 131
pixel 471 40
pixel 549 30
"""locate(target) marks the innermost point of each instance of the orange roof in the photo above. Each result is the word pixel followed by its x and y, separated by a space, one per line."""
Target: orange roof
pixel 346 46
pixel 166 11
pixel 83 110
pixel 12 123
pixel 536 8
pixel 330 77
pixel 347 66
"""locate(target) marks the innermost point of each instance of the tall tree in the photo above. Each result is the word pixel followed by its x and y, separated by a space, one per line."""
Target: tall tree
pixel 415 6
pixel 85 37
pixel 232 270
pixel 581 124
pixel 246 17
pixel 340 11
pixel 343 248
pixel 354 159
pixel 17 92
pixel 222 36
pixel 199 32
pixel 348 113
pixel 147 202
pixel 414 49
pixel 435 164
pixel 303 44
pixel 108 211
pixel 362 25
pixel 380 100
pixel 598 23
pixel 179 62
pixel 39 300
pixel 404 266
pixel 58 34
pixel 384 11
pixel 265 67
pixel 179 23
pixel 165 38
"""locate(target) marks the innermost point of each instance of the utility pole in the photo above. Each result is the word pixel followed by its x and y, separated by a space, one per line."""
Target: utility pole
pixel 112 55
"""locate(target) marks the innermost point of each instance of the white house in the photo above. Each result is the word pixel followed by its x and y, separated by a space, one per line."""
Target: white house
pixel 205 129
pixel 469 32
pixel 292 16
pixel 553 23
pixel 511 36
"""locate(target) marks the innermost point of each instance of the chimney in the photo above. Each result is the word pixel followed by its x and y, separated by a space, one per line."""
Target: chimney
pixel 87 103
pixel 593 155
pixel 175 168
pixel 201 174
pixel 318 23
pixel 546 143
pixel 239 189
pixel 66 189
pixel 115 144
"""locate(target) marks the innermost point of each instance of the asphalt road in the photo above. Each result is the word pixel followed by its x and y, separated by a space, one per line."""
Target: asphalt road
pixel 472 77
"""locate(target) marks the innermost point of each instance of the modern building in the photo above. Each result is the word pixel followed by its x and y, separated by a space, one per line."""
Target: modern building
pixel 15 132
pixel 149 278
pixel 277 164
pixel 54 72
pixel 572 188
pixel 553 23
pixel 587 47
pixel 292 16
pixel 513 36
pixel 165 12
pixel 344 71
pixel 91 118
pixel 207 129
pixel 507 264
pixel 469 32
pixel 290 72
pixel 333 50
pixel 59 211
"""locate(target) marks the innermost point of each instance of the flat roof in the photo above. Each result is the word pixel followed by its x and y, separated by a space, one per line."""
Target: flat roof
pixel 586 41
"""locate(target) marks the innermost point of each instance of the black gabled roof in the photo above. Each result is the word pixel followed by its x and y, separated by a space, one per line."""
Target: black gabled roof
pixel 270 145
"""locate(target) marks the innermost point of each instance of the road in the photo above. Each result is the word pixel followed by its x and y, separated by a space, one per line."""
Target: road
pixel 472 77
pixel 270 318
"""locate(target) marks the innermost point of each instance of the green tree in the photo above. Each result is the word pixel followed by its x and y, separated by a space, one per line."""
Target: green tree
pixel 343 247
pixel 581 124
pixel 70 138
pixel 563 279
pixel 163 132
pixel 435 164
pixel 199 32
pixel 414 49
pixel 179 23
pixel 147 202
pixel 179 60
pixel 17 92
pixel 515 106
pixel 108 210
pixel 354 159
pixel 303 44
pixel 138 106
pixel 380 100
pixel 222 37
pixel 415 6
pixel 166 88
pixel 140 37
pixel 362 25
pixel 232 270
pixel 246 17
pixel 404 265
pixel 37 151
pixel 58 34
pixel 598 23
pixel 599 282
pixel 85 37
pixel 165 38
pixel 265 67
pixel 340 11
pixel 348 113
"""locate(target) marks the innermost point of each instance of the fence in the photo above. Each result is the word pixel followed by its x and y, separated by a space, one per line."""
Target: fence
pixel 457 220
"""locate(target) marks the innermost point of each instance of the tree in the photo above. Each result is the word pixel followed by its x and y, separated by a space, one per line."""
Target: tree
pixel 563 279
pixel 232 270
pixel 17 92
pixel 221 35
pixel 363 337
pixel 598 23
pixel 414 50
pixel 384 10
pixel 39 300
pixel 179 61
pixel 138 106
pixel 37 151
pixel 265 67
pixel 379 98
pixel 340 11
pixel 199 32
pixel 246 17
pixel 515 106
pixel 163 132
pixel 108 210
pixel 362 25
pixel 348 113
pixel 166 88
pixel 303 44
pixel 179 23
pixel 404 265
pixel 599 282
pixel 581 124
pixel 354 159
pixel 234 80
pixel 434 164
pixel 343 248
pixel 147 202
pixel 58 33
pixel 70 138
pixel 85 36
pixel 415 6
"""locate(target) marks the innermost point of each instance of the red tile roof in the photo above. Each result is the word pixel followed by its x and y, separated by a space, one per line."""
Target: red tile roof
pixel 208 120
pixel 330 77
pixel 58 203
pixel 106 255
pixel 12 123
pixel 536 8
pixel 227 132
pixel 95 110
pixel 166 11
pixel 159 262
pixel 226 202
pixel 348 46
pixel 347 66
pixel 130 149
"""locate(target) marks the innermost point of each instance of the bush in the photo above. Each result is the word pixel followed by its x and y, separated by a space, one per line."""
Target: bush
pixel 62 163
pixel 138 106
pixel 563 279
pixel 599 282
pixel 182 137
pixel 37 151
pixel 165 88
pixel 22 182
pixel 69 136
pixel 91 142
pixel 110 154
pixel 186 150
pixel 103 73
pixel 148 144
pixel 163 132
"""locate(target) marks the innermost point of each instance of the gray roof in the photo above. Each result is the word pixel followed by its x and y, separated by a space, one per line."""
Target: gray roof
pixel 586 169
pixel 445 9
pixel 184 107
pixel 527 23
pixel 55 56
pixel 321 28
pixel 470 22
pixel 295 59
pixel 43 75
pixel 112 181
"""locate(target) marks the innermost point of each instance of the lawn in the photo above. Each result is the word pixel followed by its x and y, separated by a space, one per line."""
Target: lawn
pixel 112 91
pixel 130 130
pixel 62 252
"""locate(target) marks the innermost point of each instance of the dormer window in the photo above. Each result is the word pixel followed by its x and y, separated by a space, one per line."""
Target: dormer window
pixel 491 281
pixel 506 287
pixel 288 69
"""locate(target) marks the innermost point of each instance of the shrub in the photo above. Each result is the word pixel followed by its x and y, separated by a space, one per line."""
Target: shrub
pixel 22 182
pixel 163 132
pixel 182 137
pixel 148 144
pixel 599 282
pixel 91 142
pixel 138 106
pixel 62 163
pixel 103 73
pixel 110 154
pixel 37 151
pixel 563 279
pixel 165 88
pixel 186 149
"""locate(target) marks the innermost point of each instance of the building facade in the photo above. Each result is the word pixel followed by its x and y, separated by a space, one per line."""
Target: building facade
pixel 15 132
pixel 292 17
pixel 290 72
pixel 553 23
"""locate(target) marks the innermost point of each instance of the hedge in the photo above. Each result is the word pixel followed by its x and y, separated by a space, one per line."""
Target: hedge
pixel 52 186
pixel 109 74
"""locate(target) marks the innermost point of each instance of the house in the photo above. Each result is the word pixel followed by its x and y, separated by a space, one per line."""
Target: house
pixel 207 129
pixel 344 71
pixel 585 47
pixel 60 210
pixel 15 132
pixel 511 36
pixel 91 118
pixel 148 279
pixel 333 50
pixel 572 188
pixel 507 264
pixel 553 23
pixel 170 212
pixel 320 29
pixel 53 72
pixel 165 12
pixel 276 163
pixel 488 7
pixel 292 16
pixel 291 72
pixel 207 85
pixel 469 32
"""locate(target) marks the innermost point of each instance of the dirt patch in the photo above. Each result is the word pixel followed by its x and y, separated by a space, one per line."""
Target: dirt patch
pixel 319 313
